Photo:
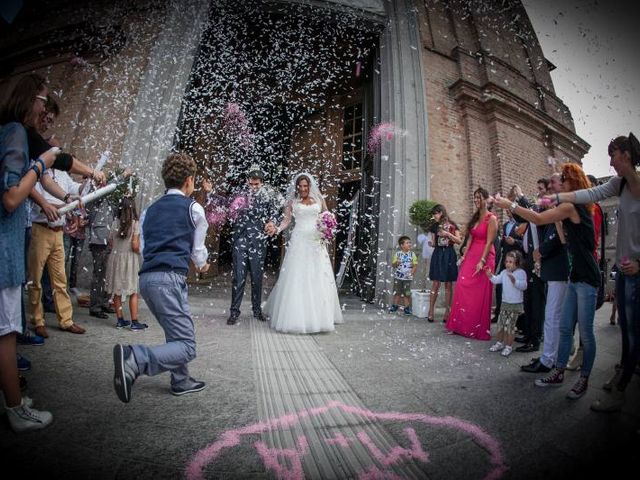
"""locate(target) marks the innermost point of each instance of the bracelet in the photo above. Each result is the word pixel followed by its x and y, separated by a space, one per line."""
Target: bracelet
pixel 41 162
pixel 557 199
pixel 36 170
pixel 66 197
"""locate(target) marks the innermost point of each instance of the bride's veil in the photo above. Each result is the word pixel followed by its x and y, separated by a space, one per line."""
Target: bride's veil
pixel 314 190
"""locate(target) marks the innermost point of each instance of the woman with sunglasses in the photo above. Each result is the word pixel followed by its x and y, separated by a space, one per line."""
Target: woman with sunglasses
pixel 18 176
pixel 624 153
pixel 584 278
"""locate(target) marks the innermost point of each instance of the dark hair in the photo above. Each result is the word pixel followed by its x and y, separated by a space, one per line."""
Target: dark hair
pixel 626 144
pixel 403 239
pixel 127 213
pixel 20 102
pixel 256 175
pixel 176 168
pixel 303 177
pixel 594 181
pixel 517 257
pixel 445 216
pixel 52 106
pixel 544 181
pixel 476 215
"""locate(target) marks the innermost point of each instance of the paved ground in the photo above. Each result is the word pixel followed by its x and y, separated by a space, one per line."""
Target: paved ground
pixel 385 396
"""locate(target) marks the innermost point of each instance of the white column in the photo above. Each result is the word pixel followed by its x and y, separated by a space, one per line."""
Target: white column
pixel 404 166
pixel 154 117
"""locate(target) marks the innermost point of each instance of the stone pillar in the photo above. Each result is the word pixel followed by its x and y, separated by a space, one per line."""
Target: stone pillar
pixel 404 163
pixel 152 123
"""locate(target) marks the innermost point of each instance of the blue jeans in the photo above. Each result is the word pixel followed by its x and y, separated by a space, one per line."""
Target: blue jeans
pixel 579 304
pixel 166 296
pixel 628 300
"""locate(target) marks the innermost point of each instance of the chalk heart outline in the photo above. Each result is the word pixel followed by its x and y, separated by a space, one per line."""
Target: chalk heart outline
pixel 232 438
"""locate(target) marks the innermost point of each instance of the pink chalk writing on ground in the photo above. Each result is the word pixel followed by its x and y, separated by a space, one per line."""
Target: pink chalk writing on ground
pixel 270 457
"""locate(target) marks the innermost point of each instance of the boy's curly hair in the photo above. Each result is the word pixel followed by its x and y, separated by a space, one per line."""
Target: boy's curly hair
pixel 176 168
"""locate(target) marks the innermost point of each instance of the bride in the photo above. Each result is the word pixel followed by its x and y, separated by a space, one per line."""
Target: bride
pixel 305 297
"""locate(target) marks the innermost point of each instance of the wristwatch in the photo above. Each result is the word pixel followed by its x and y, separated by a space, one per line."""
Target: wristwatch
pixel 513 206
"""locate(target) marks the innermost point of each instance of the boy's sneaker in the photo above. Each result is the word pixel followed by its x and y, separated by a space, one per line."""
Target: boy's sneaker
pixel 579 389
pixel 193 388
pixel 407 311
pixel 138 326
pixel 122 323
pixel 506 351
pixel 125 372
pixel 496 347
pixel 393 308
pixel 23 363
pixel 28 339
pixel 25 419
pixel 554 379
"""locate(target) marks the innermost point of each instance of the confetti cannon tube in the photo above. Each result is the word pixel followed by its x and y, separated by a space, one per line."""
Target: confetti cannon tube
pixel 90 197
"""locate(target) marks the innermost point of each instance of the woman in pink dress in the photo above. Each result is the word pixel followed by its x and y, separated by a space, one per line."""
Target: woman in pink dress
pixel 471 310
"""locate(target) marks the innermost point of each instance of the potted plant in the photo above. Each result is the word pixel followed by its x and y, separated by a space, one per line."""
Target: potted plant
pixel 420 213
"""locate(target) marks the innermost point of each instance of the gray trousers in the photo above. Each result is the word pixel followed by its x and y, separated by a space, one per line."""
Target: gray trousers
pixel 98 296
pixel 166 296
pixel 248 255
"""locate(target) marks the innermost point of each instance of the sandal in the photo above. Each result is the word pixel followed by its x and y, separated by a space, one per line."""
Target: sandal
pixel 446 316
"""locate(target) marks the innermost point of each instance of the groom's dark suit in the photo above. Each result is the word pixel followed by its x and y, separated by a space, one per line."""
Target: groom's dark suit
pixel 250 247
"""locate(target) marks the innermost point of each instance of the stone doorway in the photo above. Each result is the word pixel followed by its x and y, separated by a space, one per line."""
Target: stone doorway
pixel 283 86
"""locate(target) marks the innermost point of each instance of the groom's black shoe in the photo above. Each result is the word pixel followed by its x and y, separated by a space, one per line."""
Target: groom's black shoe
pixel 232 320
pixel 259 316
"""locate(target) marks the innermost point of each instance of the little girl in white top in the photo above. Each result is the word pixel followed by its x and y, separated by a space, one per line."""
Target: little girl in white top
pixel 514 283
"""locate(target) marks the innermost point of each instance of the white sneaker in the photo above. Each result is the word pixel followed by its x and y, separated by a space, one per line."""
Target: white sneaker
pixel 496 347
pixel 26 401
pixel 506 351
pixel 25 419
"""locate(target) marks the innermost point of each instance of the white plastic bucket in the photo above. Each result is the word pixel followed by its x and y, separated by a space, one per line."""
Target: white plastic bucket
pixel 420 303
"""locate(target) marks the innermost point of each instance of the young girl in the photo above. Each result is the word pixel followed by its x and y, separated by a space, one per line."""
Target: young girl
pixel 443 266
pixel 514 283
pixel 124 263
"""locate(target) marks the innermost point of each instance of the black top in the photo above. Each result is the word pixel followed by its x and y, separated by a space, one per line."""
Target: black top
pixel 554 266
pixel 581 243
pixel 38 145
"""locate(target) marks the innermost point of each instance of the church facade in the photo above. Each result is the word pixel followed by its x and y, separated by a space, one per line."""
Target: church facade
pixel 385 102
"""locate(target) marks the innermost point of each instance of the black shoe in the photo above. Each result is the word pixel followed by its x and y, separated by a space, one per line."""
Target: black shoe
pixel 193 388
pixel 522 339
pixel 123 377
pixel 494 320
pixel 528 347
pixel 535 367
pixel 99 314
pixel 259 316
pixel 232 320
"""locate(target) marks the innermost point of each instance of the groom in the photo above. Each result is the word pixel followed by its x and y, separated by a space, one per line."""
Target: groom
pixel 253 210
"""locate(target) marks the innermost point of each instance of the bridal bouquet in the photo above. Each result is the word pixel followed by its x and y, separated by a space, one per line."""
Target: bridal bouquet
pixel 216 210
pixel 237 206
pixel 327 226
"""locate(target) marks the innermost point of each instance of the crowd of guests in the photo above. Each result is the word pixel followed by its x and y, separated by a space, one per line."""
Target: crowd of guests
pixel 548 267
pixel 544 261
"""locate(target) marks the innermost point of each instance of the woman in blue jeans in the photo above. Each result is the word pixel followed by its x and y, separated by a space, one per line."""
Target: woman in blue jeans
pixel 584 277
pixel 625 159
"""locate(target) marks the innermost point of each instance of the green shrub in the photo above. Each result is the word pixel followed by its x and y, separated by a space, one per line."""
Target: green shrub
pixel 420 213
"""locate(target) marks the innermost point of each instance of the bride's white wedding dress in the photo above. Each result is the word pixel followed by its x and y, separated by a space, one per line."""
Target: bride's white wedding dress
pixel 305 297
